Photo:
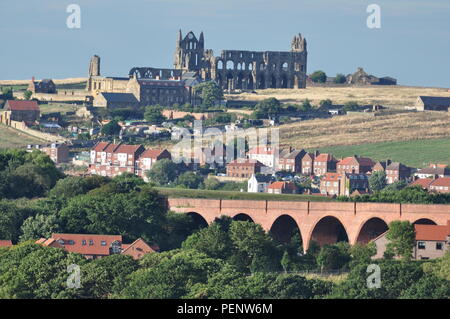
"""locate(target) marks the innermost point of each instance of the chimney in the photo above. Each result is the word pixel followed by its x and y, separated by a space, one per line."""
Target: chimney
pixel 316 153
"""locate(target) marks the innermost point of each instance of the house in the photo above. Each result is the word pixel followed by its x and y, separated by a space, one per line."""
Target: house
pixel 422 182
pixel 324 163
pixel 267 155
pixel 97 246
pixel 440 185
pixel 5 243
pixel 352 182
pixel 258 183
pixel 330 184
pixel 308 163
pixel 115 100
pixel 380 166
pixel 432 103
pixel 397 172
pixel 291 160
pixel 432 241
pixel 138 249
pixel 355 165
pixel 58 152
pixel 44 86
pixel 21 111
pixel 109 159
pixel 282 188
pixel 244 168
pixel 148 158
pixel 434 170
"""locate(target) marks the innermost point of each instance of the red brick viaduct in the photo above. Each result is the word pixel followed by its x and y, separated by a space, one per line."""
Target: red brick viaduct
pixel 324 222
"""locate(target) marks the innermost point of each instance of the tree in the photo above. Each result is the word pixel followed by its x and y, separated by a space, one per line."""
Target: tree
pixel 340 78
pixel 153 115
pixel 305 106
pixel 267 108
pixel 39 226
pixel 318 77
pixel 402 238
pixel 163 172
pixel 377 181
pixel 27 94
pixel 325 103
pixel 189 180
pixel 334 257
pixel 212 183
pixel 112 128
pixel 210 93
pixel 350 106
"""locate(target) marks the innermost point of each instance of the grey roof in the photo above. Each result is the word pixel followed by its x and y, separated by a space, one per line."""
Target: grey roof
pixel 119 97
pixel 294 154
pixel 396 166
pixel 263 178
pixel 434 171
pixel 435 101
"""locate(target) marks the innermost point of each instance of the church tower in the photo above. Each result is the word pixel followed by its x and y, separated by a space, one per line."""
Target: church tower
pixel 298 44
pixel 94 66
pixel 189 52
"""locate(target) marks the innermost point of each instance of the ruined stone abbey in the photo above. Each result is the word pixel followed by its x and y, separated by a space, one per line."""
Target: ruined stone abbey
pixel 233 70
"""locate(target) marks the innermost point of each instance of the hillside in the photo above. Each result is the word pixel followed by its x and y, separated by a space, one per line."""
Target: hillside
pixel 12 138
pixel 392 96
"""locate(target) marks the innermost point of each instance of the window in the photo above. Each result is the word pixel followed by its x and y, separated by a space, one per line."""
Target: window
pixel 91 242
pixel 103 243
pixel 83 242
pixel 438 246
pixel 421 245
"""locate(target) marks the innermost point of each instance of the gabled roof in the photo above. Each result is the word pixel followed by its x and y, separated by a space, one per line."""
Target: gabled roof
pixel 244 162
pixel 88 248
pixel 282 185
pixel 432 232
pixel 263 178
pixel 396 166
pixel 434 171
pixel 138 249
pixel 128 149
pixel 324 158
pixel 263 150
pixel 16 105
pixel 435 101
pixel 5 243
pixel 423 182
pixel 152 153
pixel 331 177
pixel 100 146
pixel 362 161
pixel 294 154
pixel 441 181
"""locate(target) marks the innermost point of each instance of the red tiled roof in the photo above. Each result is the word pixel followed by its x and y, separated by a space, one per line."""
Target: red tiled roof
pixel 432 232
pixel 324 158
pixel 128 149
pixel 5 243
pixel 100 146
pixel 15 105
pixel 95 249
pixel 263 150
pixel 282 185
pixel 244 162
pixel 441 181
pixel 331 177
pixel 363 161
pixel 151 153
pixel 423 182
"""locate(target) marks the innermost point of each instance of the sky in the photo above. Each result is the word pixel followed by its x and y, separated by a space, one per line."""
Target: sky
pixel 412 45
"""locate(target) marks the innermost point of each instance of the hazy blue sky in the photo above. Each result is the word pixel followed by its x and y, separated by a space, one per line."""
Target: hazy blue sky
pixel 412 45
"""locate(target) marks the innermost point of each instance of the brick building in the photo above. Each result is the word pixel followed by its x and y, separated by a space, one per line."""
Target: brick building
pixel 397 172
pixel 149 157
pixel 58 152
pixel 21 111
pixel 330 184
pixel 267 155
pixel 324 163
pixel 282 188
pixel 244 168
pixel 308 164
pixel 355 165
pixel 291 160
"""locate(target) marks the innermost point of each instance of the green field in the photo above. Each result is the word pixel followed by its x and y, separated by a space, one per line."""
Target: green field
pixel 415 153
pixel 57 107
pixel 12 138
pixel 208 194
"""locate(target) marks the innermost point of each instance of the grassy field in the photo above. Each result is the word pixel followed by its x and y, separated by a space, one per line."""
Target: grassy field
pixel 11 138
pixel 207 194
pixel 57 107
pixel 358 130
pixel 416 153
pixel 392 96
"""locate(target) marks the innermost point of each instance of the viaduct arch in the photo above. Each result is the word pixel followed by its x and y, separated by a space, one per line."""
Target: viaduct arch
pixel 324 222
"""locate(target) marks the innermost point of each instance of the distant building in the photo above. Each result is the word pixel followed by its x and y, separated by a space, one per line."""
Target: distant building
pixel 96 246
pixel 268 155
pixel 422 182
pixel 432 103
pixel 346 184
pixel 258 183
pixel 20 111
pixel 432 241
pixel 355 165
pixel 308 163
pixel 380 166
pixel 58 152
pixel 148 158
pixel 324 163
pixel 282 188
pixel 440 185
pixel 244 168
pixel 115 100
pixel 291 160
pixel 397 172
pixel 330 184
pixel 44 86
pixel 434 170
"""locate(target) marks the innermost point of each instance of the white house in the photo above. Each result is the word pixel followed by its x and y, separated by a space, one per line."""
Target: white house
pixel 258 183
